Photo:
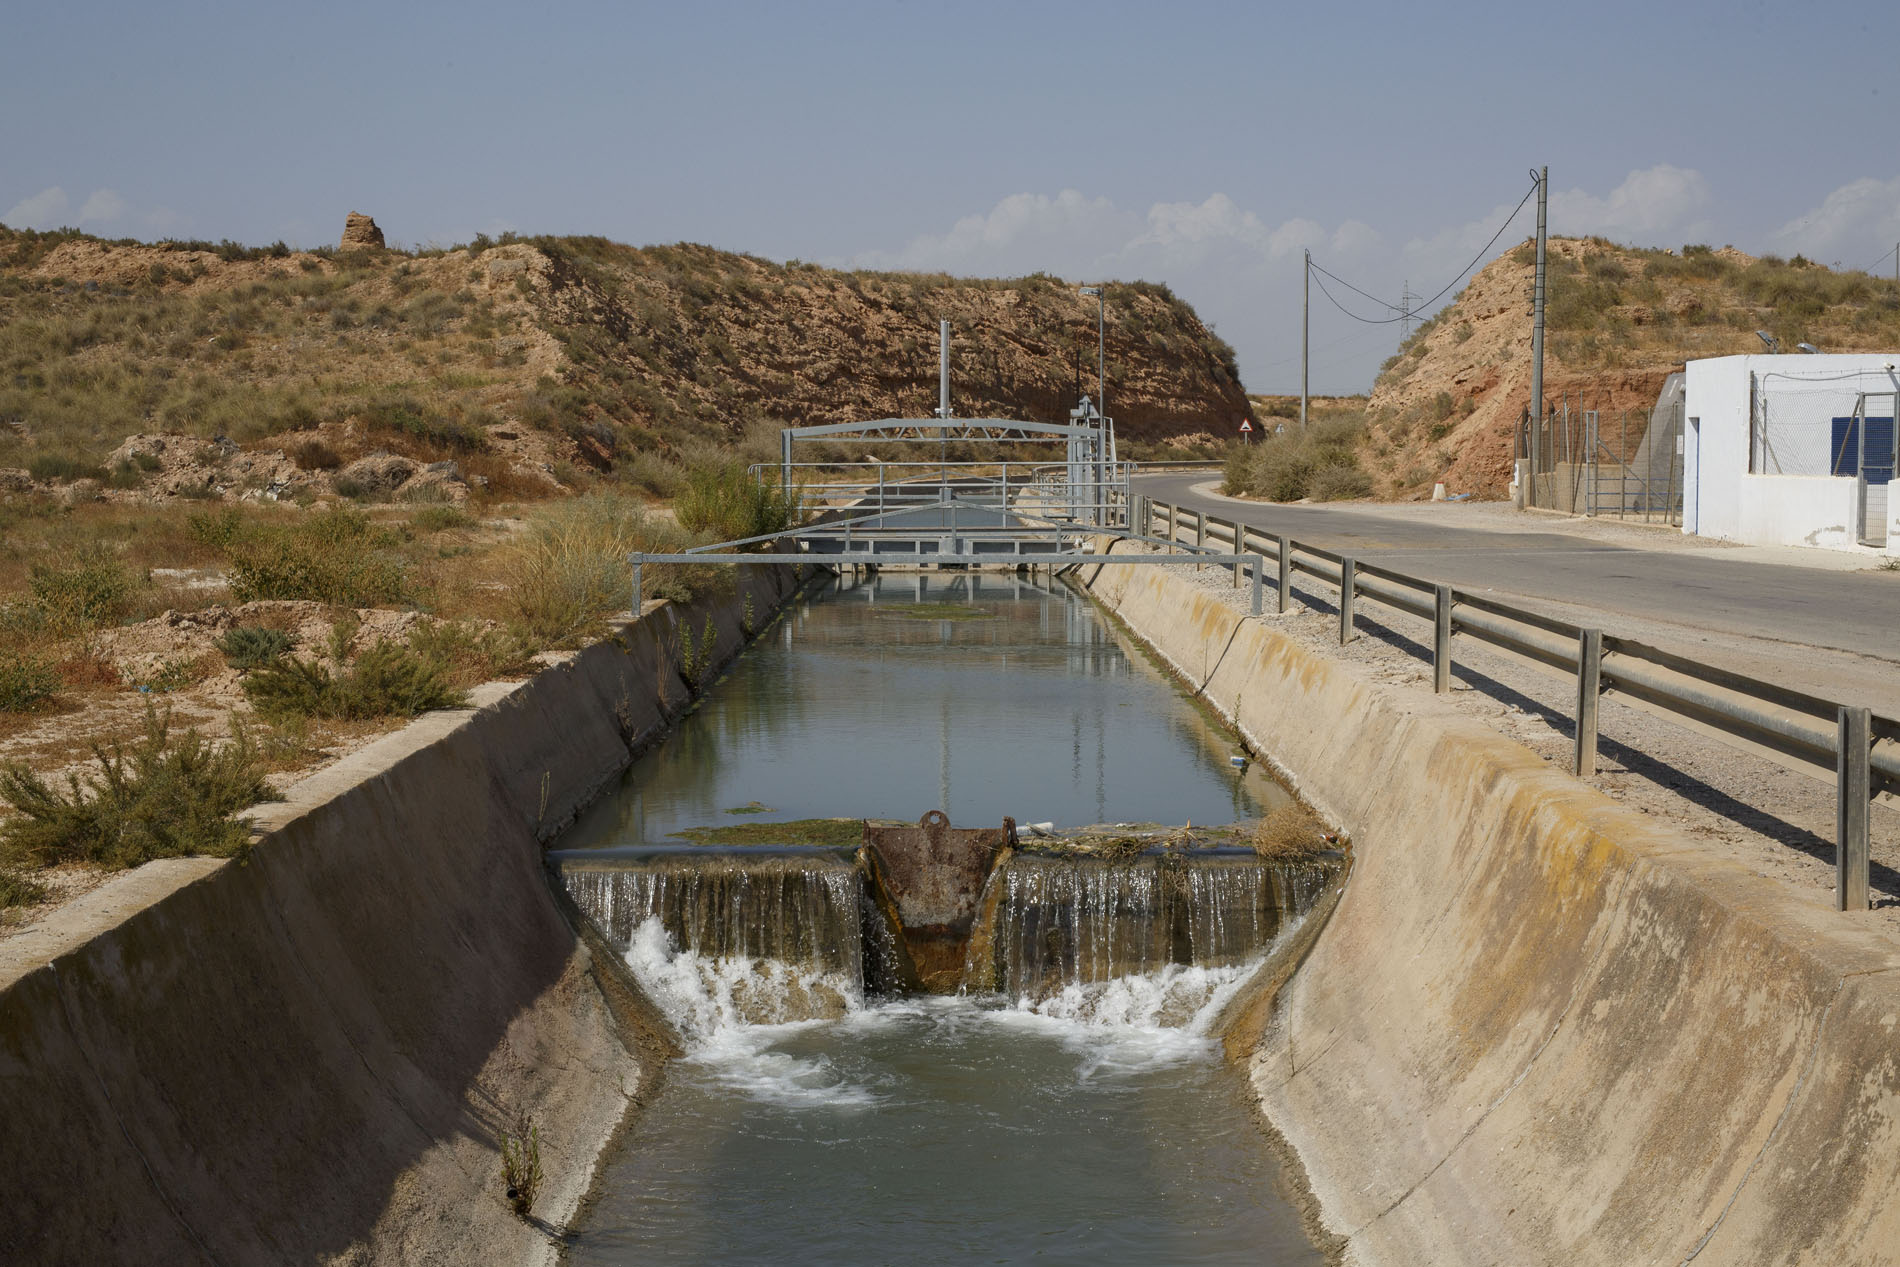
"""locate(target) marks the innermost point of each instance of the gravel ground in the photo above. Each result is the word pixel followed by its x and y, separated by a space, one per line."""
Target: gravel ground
pixel 1777 822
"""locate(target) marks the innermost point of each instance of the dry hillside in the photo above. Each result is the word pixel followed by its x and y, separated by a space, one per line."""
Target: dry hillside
pixel 1619 319
pixel 528 364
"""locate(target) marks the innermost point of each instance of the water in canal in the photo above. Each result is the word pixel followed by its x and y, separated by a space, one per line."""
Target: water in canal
pixel 1085 1119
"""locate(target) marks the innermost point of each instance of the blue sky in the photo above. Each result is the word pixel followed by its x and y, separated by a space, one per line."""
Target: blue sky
pixel 1203 145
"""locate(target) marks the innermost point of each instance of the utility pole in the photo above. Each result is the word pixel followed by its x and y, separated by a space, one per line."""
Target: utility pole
pixel 1306 287
pixel 1537 333
pixel 1101 345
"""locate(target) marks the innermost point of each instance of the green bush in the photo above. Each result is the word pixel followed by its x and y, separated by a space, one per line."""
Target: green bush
pixel 254 647
pixel 169 796
pixel 726 503
pixel 335 556
pixel 83 594
pixel 26 682
pixel 388 680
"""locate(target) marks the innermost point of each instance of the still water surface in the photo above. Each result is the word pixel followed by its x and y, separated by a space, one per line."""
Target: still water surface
pixel 1094 1126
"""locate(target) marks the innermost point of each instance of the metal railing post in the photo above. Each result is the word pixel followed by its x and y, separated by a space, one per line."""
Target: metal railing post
pixel 1200 533
pixel 1286 571
pixel 1174 513
pixel 1589 690
pixel 1259 575
pixel 1235 526
pixel 1853 791
pixel 636 589
pixel 1348 583
pixel 1441 638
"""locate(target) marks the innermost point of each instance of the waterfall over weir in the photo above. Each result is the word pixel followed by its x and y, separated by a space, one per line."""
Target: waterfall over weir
pixel 1064 922
pixel 769 935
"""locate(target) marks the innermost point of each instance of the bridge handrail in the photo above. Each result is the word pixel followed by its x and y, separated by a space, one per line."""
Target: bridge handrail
pixel 1858 747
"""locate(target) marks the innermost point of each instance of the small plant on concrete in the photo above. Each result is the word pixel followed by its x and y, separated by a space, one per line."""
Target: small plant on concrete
pixel 254 647
pixel 167 796
pixel 521 1166
pixel 696 654
pixel 1288 833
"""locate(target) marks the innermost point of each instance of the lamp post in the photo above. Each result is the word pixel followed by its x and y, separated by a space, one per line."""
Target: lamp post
pixel 1101 318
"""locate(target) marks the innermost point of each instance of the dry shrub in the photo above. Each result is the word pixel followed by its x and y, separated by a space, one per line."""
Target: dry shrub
pixel 336 556
pixel 1290 832
pixel 568 570
pixel 88 669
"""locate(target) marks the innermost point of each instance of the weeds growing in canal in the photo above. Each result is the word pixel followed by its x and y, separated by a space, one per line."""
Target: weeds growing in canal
pixel 521 1165
pixel 1290 832
pixel 696 654
pixel 800 831
pixel 934 611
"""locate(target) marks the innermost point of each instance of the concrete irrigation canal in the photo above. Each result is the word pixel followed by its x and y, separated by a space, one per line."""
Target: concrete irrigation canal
pixel 972 1042
pixel 665 922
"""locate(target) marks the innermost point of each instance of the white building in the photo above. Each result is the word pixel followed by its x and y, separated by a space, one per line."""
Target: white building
pixel 1792 450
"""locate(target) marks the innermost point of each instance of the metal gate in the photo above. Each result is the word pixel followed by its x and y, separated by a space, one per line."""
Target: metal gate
pixel 1877 446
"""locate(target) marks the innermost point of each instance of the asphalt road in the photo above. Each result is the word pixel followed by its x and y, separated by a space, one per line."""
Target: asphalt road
pixel 1775 610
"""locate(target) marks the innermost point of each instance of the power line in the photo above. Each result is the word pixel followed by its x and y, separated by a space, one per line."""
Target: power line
pixel 1407 314
pixel 1371 321
pixel 1881 258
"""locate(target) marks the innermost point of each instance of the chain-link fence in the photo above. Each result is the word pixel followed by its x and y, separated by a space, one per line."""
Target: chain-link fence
pixel 1625 463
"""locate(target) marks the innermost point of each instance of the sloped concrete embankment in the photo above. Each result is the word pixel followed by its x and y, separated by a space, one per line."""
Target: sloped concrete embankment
pixel 1539 1027
pixel 311 1057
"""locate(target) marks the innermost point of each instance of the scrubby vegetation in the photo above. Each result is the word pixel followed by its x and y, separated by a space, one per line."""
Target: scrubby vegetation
pixel 253 646
pixel 1321 462
pixel 387 680
pixel 166 796
pixel 569 570
pixel 726 503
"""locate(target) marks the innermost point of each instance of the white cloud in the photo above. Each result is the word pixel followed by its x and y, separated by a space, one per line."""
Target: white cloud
pixel 103 206
pixel 1241 270
pixel 44 210
pixel 1851 224
pixel 1023 233
pixel 1650 205
pixel 52 209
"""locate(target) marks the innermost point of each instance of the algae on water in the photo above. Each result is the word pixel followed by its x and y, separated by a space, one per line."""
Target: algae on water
pixel 799 831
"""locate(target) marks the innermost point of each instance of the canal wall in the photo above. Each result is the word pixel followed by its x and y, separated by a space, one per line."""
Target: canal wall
pixel 313 1055
pixel 1540 1027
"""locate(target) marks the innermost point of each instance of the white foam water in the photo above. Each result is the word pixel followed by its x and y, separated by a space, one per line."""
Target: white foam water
pixel 730 1012
pixel 735 1014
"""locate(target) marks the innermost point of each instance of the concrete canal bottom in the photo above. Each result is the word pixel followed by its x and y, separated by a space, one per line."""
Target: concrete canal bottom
pixel 1069 1104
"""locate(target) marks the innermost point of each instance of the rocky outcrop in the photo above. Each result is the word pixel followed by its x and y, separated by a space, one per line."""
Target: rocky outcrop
pixel 711 336
pixel 360 233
